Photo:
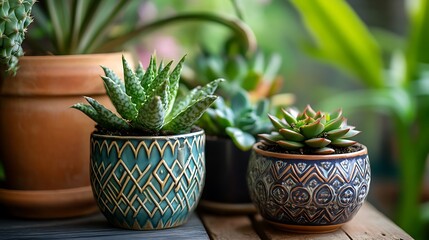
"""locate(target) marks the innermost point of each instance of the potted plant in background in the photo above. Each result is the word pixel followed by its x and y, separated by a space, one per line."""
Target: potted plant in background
pixel 231 130
pixel 45 158
pixel 307 176
pixel 147 166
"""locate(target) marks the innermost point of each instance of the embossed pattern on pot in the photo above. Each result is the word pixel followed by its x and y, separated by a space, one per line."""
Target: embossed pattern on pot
pixel 143 183
pixel 309 192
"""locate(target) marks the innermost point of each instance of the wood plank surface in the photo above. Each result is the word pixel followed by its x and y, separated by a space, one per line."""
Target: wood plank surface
pixel 222 227
pixel 92 227
pixel 369 223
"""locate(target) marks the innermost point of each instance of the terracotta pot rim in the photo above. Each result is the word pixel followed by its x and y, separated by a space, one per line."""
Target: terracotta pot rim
pixel 309 157
pixel 185 135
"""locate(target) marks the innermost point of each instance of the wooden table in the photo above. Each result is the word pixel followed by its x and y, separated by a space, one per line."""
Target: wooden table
pixel 367 224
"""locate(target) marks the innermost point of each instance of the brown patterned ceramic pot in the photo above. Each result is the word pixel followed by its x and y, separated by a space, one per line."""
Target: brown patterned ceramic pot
pixel 308 193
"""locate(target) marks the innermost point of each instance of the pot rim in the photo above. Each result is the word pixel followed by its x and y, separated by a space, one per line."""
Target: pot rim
pixel 184 135
pixel 309 157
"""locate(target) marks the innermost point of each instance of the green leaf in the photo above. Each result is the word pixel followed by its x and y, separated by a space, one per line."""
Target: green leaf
pixel 107 118
pixel 291 135
pixel 337 133
pixel 324 151
pixel 290 119
pixel 149 75
pixel 122 102
pixel 251 80
pixel 112 75
pixel 240 101
pixel 334 124
pixel 185 119
pixel 271 138
pixel 162 76
pixel 342 39
pixel 262 107
pixel 151 115
pixel 174 84
pixel 291 145
pixel 88 110
pixel 132 85
pixel 317 142
pixel 309 111
pixel 313 129
pixel 342 142
pixel 351 133
pixel 223 119
pixel 139 72
pixel 242 140
pixel 277 123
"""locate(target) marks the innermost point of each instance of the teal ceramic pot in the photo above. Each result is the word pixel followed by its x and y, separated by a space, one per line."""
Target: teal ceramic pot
pixel 308 193
pixel 146 183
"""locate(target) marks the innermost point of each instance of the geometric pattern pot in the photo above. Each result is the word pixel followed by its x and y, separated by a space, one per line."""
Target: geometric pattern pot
pixel 146 183
pixel 308 193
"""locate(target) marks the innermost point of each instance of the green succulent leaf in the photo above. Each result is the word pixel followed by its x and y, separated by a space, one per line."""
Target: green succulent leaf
pixel 132 85
pixel 174 83
pixel 337 133
pixel 351 133
pixel 139 73
pixel 162 76
pixel 151 115
pixel 291 135
pixel 122 102
pixel 324 151
pixel 342 142
pixel 110 74
pixel 290 119
pixel 242 140
pixel 223 118
pixel 309 111
pixel 185 119
pixel 88 110
pixel 107 118
pixel 334 124
pixel 277 123
pixel 240 101
pixel 270 138
pixel 313 129
pixel 149 75
pixel 291 145
pixel 262 107
pixel 318 142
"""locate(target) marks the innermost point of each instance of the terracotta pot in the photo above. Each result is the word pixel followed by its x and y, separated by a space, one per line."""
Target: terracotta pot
pixel 225 190
pixel 45 143
pixel 146 183
pixel 308 193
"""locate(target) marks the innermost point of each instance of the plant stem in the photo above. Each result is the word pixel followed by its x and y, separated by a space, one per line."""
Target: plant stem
pixel 243 31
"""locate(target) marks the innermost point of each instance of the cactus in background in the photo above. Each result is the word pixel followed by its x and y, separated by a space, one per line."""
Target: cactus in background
pixel 318 131
pixel 241 122
pixel 146 101
pixel 14 20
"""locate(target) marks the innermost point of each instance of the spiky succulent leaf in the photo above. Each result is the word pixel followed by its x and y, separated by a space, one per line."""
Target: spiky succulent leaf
pixel 149 75
pixel 241 139
pixel 122 102
pixel 151 115
pixel 163 92
pixel 110 74
pixel 290 119
pixel 174 83
pixel 88 110
pixel 14 20
pixel 107 118
pixel 161 77
pixel 139 72
pixel 132 85
pixel 185 119
pixel 309 111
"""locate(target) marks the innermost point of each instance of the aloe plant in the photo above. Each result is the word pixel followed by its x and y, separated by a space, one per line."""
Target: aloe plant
pixel 146 100
pixel 319 132
pixel 241 121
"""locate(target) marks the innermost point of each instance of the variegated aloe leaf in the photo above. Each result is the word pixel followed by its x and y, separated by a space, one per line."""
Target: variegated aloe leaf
pixel 107 118
pixel 149 75
pixel 174 83
pixel 139 72
pixel 88 110
pixel 122 102
pixel 132 85
pixel 161 77
pixel 151 115
pixel 185 119
pixel 112 75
